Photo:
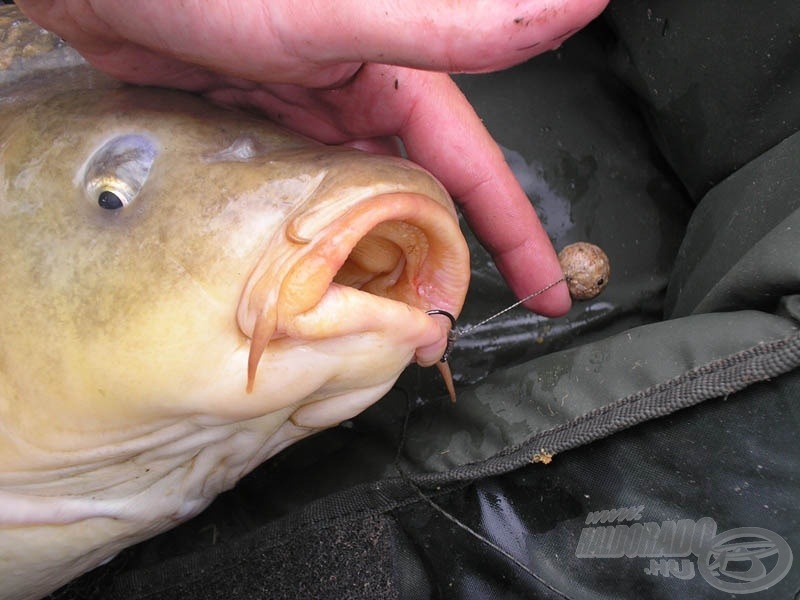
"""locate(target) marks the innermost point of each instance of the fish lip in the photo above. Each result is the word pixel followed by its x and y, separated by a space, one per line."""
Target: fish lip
pixel 439 279
pixel 436 281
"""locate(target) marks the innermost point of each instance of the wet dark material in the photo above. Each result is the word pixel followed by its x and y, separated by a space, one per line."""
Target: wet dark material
pixel 716 94
pixel 537 515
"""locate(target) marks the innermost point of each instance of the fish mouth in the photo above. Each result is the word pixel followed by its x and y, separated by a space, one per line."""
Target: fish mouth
pixel 378 267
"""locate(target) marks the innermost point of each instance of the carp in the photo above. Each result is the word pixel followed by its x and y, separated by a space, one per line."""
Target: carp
pixel 186 290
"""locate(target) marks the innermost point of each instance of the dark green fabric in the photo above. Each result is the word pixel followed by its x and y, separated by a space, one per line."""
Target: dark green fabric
pixel 727 459
pixel 717 80
pixel 741 248
pixel 283 567
pixel 598 389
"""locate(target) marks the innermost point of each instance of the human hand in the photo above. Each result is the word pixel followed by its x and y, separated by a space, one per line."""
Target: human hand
pixel 352 72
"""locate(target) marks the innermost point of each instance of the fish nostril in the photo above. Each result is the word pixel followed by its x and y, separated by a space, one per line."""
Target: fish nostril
pixel 243 149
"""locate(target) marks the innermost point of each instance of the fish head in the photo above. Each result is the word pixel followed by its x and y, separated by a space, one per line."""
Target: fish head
pixel 167 259
pixel 187 290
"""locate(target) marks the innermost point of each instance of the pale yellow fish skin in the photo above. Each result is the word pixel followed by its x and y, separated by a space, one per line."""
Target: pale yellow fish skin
pixel 124 334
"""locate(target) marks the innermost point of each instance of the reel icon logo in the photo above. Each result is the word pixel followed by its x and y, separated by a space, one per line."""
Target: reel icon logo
pixel 734 561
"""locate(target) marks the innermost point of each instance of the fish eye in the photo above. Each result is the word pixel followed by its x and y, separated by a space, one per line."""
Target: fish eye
pixel 109 200
pixel 116 172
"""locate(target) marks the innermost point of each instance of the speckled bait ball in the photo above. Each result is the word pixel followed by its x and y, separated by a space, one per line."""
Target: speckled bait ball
pixel 586 269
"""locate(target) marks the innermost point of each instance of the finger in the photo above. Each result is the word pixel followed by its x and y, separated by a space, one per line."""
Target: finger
pixel 447 137
pixel 438 35
pixel 442 133
pixel 192 45
pixel 314 43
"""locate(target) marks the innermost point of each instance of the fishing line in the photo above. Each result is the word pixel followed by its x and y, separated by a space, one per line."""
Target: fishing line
pixel 456 333
pixel 451 517
pixel 463 332
pixel 452 336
